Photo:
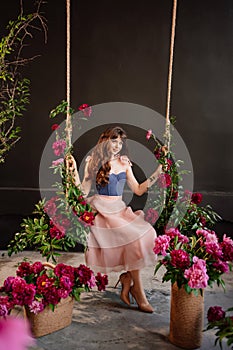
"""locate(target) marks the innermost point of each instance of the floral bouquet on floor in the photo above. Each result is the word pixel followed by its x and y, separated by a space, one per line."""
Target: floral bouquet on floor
pixel 39 285
pixel 221 323
pixel 194 261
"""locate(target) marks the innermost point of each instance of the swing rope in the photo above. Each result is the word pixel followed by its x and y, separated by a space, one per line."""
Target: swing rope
pixel 167 134
pixel 68 114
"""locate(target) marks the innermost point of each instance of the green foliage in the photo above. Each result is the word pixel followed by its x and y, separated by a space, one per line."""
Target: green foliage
pixel 15 89
pixel 62 108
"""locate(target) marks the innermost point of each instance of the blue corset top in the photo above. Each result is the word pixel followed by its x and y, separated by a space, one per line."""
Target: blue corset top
pixel 115 185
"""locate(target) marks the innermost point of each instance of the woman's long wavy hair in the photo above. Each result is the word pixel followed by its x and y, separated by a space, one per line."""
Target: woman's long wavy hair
pixel 99 164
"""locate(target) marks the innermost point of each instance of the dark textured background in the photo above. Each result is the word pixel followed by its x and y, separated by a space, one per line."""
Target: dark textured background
pixel 120 52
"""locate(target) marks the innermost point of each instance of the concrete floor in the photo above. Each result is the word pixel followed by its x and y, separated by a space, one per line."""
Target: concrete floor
pixel 102 321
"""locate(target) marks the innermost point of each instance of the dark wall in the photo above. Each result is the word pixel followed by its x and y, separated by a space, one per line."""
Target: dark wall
pixel 120 52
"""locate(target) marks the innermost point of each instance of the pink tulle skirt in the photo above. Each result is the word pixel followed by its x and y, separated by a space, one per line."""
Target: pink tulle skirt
pixel 120 239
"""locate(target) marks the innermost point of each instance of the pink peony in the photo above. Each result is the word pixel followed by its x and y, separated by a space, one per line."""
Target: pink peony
pixel 174 232
pixel 197 274
pixel 151 216
pixel 36 307
pixel 59 147
pixel 161 244
pixel 227 248
pixel 164 180
pixel 50 206
pixel 57 161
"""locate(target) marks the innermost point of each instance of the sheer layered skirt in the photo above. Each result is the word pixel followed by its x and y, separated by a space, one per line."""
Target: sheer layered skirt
pixel 120 239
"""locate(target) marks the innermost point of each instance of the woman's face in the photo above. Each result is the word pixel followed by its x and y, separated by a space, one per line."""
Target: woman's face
pixel 115 146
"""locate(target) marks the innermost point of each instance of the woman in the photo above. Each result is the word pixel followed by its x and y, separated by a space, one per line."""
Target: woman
pixel 120 239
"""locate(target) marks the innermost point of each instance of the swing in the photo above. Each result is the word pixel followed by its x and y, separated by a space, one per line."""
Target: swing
pixel 167 134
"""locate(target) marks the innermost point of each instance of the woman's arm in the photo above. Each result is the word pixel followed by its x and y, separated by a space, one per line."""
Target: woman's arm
pixel 140 189
pixel 85 185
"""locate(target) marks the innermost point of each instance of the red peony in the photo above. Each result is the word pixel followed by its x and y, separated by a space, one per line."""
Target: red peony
pixel 215 313
pixel 196 198
pixel 101 281
pixel 180 259
pixel 55 127
pixel 88 217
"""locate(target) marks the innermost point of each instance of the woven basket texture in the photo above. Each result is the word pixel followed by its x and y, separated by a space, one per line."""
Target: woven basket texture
pixel 49 321
pixel 186 318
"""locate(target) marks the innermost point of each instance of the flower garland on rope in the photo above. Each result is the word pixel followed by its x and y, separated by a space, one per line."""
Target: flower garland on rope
pixel 181 208
pixel 193 255
pixel 63 220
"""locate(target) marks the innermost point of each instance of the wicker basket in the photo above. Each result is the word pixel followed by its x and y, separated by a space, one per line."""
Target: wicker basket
pixel 49 321
pixel 186 318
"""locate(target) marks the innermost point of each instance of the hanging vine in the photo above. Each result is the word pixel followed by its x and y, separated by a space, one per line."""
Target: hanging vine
pixel 15 89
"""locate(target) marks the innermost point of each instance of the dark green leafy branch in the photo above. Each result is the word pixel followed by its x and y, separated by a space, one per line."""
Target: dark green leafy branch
pixel 15 89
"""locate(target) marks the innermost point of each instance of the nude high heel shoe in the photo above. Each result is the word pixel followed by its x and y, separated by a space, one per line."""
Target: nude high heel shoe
pixel 145 306
pixel 125 279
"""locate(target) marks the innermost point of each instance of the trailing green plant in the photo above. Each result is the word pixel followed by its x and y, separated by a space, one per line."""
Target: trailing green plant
pixel 15 89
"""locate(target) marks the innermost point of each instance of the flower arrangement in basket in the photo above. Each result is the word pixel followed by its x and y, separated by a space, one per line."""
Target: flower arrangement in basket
pixel 194 261
pixel 61 221
pixel 193 255
pixel 39 285
pixel 222 324
pixel 43 287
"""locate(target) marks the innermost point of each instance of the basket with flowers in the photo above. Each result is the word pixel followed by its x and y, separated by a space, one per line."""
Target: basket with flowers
pixel 47 293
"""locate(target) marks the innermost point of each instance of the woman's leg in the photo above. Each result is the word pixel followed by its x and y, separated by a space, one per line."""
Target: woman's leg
pixel 138 292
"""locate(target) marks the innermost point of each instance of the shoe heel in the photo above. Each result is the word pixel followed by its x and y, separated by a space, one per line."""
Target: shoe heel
pixel 117 283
